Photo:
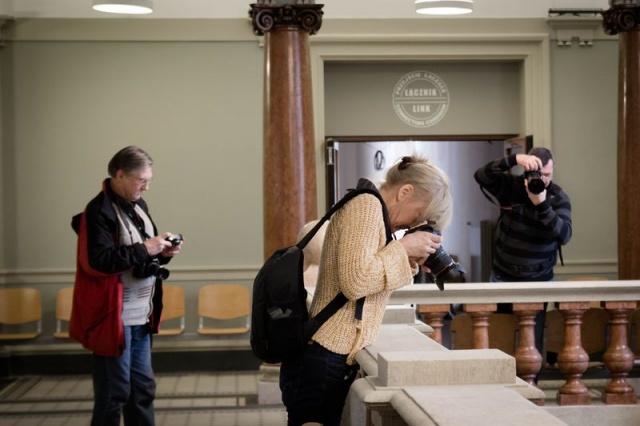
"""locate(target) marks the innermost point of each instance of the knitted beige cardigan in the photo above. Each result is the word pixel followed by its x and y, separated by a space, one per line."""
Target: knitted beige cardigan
pixel 357 261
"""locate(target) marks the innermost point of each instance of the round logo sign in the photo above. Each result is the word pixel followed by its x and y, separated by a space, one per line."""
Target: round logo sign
pixel 420 98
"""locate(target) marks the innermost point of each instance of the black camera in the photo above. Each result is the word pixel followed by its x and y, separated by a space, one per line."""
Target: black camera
pixel 534 181
pixel 174 239
pixel 443 267
pixel 153 268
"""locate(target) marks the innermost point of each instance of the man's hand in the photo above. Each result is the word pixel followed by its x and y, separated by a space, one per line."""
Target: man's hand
pixel 173 250
pixel 529 162
pixel 157 245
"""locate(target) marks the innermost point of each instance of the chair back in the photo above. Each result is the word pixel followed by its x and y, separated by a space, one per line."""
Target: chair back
pixel 173 303
pixel 64 301
pixel 20 307
pixel 224 303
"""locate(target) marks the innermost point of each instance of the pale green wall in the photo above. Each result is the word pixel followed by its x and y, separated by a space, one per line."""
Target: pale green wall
pixel 195 107
pixel 584 108
pixel 484 98
pixel 191 94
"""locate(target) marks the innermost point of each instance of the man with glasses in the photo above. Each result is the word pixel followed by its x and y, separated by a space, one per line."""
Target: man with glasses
pixel 117 298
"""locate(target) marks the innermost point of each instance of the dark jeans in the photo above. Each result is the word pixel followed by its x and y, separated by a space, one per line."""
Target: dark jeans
pixel 507 308
pixel 315 386
pixel 125 384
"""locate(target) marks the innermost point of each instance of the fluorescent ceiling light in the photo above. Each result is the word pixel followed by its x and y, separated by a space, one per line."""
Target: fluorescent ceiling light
pixel 131 7
pixel 444 7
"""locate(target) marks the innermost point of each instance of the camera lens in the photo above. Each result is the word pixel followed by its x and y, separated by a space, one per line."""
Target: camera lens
pixel 443 267
pixel 158 271
pixel 439 261
pixel 534 182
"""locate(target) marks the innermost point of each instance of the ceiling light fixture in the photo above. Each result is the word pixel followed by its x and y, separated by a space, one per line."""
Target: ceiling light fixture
pixel 130 7
pixel 444 7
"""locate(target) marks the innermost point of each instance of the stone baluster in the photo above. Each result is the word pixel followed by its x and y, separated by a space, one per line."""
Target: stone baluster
pixel 573 360
pixel 618 359
pixel 480 319
pixel 433 315
pixel 528 358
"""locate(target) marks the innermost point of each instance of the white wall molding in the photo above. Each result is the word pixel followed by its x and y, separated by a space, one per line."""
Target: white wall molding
pixel 248 273
pixel 583 30
pixel 442 42
pixel 182 275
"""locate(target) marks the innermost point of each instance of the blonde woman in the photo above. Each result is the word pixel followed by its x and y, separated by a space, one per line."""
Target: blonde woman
pixel 358 261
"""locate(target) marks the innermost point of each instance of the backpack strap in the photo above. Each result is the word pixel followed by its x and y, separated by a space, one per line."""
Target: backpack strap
pixel 340 299
pixel 333 307
pixel 484 192
pixel 337 206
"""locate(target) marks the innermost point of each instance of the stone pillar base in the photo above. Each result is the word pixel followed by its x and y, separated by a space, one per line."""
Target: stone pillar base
pixel 581 399
pixel 617 399
pixel 268 385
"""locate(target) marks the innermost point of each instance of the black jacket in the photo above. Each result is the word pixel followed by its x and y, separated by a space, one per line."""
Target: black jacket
pixel 527 236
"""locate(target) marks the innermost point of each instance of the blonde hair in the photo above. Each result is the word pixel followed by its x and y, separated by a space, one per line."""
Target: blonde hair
pixel 429 181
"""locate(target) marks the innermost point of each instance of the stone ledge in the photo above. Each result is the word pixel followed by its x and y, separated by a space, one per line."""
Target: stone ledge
pixel 483 405
pixel 432 368
pixel 393 337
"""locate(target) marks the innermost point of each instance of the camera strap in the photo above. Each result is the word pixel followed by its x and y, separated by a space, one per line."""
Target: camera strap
pixel 135 217
pixel 560 254
pixel 502 209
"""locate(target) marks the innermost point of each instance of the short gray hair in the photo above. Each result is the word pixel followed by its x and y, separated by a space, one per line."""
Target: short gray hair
pixel 129 159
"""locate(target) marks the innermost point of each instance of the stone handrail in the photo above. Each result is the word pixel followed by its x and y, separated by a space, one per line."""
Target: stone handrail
pixel 571 298
pixel 548 291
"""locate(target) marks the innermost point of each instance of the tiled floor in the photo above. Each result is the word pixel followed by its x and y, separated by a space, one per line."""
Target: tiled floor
pixel 189 399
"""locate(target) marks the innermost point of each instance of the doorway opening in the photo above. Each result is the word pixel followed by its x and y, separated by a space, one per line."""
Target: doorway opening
pixel 469 236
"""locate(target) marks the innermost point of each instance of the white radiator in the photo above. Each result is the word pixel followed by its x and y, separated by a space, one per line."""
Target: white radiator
pixel 487 229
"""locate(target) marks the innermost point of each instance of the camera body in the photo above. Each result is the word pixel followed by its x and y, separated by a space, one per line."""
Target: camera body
pixel 153 268
pixel 174 239
pixel 443 267
pixel 535 184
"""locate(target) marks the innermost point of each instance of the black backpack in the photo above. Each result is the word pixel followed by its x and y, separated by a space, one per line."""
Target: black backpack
pixel 280 323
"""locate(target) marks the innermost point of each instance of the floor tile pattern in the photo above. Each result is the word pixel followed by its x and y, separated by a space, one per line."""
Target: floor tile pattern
pixel 189 399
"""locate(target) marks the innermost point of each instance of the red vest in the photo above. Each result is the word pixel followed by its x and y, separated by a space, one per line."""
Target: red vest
pixel 96 315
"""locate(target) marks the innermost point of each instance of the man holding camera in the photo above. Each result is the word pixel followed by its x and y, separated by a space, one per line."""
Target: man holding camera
pixel 535 221
pixel 117 298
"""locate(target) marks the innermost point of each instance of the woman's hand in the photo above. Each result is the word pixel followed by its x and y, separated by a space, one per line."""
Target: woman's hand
pixel 419 245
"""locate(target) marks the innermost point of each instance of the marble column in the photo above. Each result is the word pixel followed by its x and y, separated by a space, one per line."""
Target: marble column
pixel 623 19
pixel 289 169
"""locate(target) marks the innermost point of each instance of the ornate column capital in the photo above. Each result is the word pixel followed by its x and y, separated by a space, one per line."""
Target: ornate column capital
pixel 265 16
pixel 624 15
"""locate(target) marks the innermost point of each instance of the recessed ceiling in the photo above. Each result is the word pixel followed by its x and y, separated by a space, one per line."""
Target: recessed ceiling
pixel 333 9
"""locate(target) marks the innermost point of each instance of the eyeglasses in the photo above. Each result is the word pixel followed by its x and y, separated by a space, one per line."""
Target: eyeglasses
pixel 138 180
